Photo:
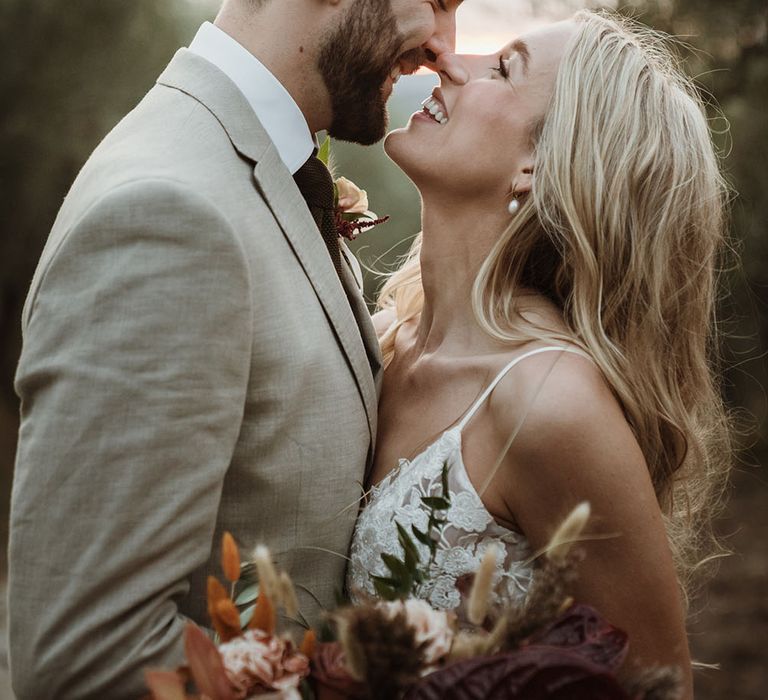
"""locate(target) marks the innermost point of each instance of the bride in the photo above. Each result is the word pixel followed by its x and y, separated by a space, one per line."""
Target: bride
pixel 549 335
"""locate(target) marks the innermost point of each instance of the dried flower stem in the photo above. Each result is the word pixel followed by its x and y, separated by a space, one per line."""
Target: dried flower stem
pixel 482 586
pixel 308 644
pixel 230 558
pixel 264 617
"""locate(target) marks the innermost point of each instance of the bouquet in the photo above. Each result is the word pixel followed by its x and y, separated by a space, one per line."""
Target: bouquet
pixel 397 646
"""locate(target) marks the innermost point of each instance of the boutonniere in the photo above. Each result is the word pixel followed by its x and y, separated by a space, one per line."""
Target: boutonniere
pixel 351 203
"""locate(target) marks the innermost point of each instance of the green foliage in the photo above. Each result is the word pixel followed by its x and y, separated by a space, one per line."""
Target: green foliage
pixel 407 573
pixel 245 615
pixel 247 592
pixel 247 595
pixel 324 152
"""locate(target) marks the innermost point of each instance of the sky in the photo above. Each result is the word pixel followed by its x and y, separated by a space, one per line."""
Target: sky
pixel 483 26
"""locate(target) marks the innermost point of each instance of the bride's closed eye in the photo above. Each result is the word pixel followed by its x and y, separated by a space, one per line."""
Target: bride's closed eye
pixel 503 69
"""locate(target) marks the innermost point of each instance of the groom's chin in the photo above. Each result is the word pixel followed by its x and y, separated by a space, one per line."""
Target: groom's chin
pixel 362 128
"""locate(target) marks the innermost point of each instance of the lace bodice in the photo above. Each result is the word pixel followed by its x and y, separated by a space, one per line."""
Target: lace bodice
pixel 470 528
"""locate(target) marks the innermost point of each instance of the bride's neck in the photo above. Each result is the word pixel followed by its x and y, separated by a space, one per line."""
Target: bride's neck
pixel 456 240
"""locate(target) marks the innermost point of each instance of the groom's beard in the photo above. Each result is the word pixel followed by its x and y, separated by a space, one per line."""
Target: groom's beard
pixel 355 61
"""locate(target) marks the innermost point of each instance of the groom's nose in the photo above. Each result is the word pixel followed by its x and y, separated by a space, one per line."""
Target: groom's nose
pixel 443 40
pixel 452 69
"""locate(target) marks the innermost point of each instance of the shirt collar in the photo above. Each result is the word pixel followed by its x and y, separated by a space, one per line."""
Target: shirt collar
pixel 277 111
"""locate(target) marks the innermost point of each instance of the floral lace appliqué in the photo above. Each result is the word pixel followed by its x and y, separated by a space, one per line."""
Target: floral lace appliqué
pixel 470 529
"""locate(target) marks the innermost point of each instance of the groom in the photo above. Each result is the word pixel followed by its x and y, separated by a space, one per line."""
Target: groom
pixel 197 355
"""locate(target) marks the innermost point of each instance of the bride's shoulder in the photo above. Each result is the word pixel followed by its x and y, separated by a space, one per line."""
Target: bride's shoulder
pixel 572 442
pixel 383 320
pixel 558 402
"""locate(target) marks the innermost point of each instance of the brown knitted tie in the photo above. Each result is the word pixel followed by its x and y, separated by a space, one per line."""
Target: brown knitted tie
pixel 316 186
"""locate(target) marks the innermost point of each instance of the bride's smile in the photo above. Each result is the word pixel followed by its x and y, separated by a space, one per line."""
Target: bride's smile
pixel 475 128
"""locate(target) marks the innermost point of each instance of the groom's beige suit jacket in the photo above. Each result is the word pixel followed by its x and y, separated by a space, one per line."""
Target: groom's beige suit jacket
pixel 192 364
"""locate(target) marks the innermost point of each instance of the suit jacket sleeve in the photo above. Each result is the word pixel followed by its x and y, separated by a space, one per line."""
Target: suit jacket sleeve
pixel 133 380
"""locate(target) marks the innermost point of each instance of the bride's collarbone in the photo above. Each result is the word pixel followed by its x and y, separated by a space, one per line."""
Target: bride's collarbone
pixel 430 395
pixel 479 447
pixel 408 426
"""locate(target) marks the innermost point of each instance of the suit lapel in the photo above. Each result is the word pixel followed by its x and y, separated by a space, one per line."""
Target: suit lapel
pixel 345 311
pixel 214 90
pixel 353 286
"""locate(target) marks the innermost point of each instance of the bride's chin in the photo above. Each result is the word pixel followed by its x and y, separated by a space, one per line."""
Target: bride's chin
pixel 399 145
pixel 393 139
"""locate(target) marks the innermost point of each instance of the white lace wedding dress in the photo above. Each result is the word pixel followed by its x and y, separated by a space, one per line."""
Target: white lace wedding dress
pixel 470 528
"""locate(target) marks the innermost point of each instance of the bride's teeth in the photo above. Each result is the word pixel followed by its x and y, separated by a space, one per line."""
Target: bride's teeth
pixel 434 108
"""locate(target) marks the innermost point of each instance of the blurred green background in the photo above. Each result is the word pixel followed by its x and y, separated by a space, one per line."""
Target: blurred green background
pixel 71 70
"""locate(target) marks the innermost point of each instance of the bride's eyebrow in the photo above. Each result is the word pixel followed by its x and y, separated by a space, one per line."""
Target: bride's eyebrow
pixel 521 48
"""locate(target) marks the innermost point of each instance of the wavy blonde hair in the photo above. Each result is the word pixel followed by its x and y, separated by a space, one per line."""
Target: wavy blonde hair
pixel 623 230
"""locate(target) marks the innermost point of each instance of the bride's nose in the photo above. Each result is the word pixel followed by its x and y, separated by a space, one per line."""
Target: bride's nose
pixel 452 68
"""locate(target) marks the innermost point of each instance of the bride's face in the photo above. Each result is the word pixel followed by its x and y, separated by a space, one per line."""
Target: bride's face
pixel 478 139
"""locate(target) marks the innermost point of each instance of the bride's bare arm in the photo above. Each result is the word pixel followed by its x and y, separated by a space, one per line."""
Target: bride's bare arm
pixel 575 445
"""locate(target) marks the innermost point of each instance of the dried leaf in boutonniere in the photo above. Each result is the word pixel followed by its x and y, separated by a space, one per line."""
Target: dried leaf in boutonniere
pixel 351 202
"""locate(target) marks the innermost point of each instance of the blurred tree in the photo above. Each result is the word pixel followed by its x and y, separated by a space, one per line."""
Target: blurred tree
pixel 730 60
pixel 71 70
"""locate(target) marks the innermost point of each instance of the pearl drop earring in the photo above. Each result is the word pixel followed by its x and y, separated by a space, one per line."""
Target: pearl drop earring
pixel 514 206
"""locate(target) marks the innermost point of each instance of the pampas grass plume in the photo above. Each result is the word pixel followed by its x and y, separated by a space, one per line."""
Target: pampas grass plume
pixel 569 532
pixel 353 652
pixel 482 586
pixel 288 595
pixel 269 581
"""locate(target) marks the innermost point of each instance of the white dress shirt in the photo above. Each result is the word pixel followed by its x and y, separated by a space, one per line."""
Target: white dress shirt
pixel 277 111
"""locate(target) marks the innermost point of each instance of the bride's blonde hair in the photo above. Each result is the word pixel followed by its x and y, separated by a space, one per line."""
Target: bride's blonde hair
pixel 623 230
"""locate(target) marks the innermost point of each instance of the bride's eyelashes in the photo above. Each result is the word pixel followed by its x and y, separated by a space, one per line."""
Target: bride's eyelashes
pixel 503 70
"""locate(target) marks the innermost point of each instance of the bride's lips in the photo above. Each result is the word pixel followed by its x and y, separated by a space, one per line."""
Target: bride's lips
pixel 434 109
pixel 437 95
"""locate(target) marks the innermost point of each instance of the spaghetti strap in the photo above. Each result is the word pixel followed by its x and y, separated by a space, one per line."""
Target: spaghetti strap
pixel 551 348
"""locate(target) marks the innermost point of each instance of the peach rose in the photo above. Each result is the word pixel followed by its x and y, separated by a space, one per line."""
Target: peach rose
pixel 258 663
pixel 352 200
pixel 329 666
pixel 435 627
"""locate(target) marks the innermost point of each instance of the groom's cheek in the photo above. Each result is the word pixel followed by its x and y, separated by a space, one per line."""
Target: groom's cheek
pixel 444 37
pixel 416 22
